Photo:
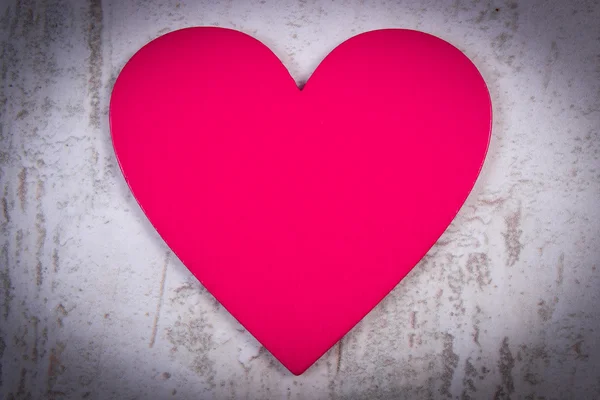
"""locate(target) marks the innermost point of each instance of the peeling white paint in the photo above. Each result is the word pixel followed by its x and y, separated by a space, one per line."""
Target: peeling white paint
pixel 504 306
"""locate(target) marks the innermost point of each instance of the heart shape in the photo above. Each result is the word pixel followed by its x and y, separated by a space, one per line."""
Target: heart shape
pixel 300 210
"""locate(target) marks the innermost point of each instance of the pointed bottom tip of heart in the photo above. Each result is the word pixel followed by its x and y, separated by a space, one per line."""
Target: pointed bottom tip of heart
pixel 296 370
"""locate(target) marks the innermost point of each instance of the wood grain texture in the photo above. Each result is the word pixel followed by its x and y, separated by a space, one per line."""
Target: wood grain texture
pixel 504 306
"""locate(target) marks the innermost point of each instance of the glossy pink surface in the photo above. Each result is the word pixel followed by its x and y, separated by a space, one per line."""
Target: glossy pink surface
pixel 299 210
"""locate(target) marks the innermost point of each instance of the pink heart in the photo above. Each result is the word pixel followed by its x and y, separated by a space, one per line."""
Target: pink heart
pixel 299 210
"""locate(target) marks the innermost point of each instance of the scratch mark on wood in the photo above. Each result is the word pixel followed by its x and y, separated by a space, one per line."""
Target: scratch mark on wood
pixel 560 269
pixel 160 299
pixel 550 61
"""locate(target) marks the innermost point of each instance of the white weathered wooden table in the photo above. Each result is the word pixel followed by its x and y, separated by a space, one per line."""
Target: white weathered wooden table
pixel 92 303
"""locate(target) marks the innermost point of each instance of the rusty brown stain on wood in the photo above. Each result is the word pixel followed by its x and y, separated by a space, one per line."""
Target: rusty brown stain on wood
pixel 546 309
pixel 22 188
pixel 577 349
pixel 55 394
pixel 476 322
pixel 5 212
pixel 55 256
pixel 5 282
pixel 34 351
pixel 39 274
pixel 61 309
pixel 40 189
pixel 40 226
pixel 2 349
pixel 55 366
pixel 22 383
pixel 19 245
